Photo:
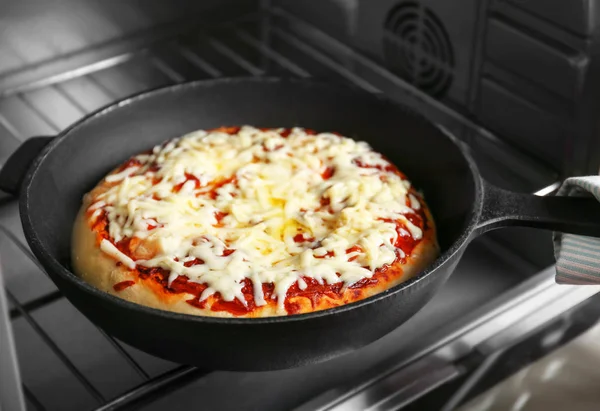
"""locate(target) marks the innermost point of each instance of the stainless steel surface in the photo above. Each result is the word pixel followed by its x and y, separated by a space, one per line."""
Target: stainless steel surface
pixel 548 189
pixel 414 381
pixel 99 372
pixel 566 379
pixel 488 334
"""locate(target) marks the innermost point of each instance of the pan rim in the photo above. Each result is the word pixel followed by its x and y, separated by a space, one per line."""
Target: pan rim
pixel 48 260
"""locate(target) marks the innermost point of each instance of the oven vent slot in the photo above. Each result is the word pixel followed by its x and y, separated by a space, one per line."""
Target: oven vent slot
pixel 417 47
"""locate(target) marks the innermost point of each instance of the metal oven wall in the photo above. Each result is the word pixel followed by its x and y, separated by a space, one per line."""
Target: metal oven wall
pixel 33 31
pixel 527 70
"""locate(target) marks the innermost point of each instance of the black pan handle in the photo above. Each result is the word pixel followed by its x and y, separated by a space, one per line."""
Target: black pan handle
pixel 574 215
pixel 15 168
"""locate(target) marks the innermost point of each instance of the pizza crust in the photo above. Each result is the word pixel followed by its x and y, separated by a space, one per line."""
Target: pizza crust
pixel 102 271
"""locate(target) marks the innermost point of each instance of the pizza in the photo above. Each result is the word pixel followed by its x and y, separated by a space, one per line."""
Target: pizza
pixel 253 222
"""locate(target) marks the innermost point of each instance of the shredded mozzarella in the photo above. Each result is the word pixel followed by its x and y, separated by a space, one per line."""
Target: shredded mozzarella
pixel 333 191
pixel 110 249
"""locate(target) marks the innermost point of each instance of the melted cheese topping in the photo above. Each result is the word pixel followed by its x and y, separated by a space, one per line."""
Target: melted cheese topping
pixel 220 208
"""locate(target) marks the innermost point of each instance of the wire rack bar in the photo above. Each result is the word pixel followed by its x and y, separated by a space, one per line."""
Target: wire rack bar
pixel 6 124
pixel 117 346
pixel 46 299
pixel 42 116
pixel 234 56
pixel 56 349
pixel 325 60
pixel 22 247
pixel 37 303
pixel 169 380
pixel 166 69
pixel 272 54
pixel 101 56
pixel 71 100
pixel 197 61
pixel 32 399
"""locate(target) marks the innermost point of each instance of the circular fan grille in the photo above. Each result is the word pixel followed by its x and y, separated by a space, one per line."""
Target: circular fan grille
pixel 417 47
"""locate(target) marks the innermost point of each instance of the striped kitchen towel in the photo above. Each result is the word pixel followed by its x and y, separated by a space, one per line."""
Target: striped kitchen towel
pixel 578 257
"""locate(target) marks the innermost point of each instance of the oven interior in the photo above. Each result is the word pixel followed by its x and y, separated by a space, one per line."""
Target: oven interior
pixel 61 60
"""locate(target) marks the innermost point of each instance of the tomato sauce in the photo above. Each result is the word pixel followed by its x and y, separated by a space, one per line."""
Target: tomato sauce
pixel 268 150
pixel 193 262
pixel 123 285
pixel 153 168
pixel 132 162
pixel 182 285
pixel 389 168
pixel 328 173
pixel 354 249
pixel 100 226
pixel 404 240
pixel 218 184
pixel 299 238
pixel 314 292
pixel 127 245
pixel 219 216
pixel 188 177
pixel 236 307
pixel 227 130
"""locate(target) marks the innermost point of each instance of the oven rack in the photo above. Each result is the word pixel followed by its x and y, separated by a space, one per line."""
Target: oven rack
pixel 273 42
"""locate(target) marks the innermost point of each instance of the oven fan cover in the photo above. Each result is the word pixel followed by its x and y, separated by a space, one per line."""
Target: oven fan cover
pixel 417 47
